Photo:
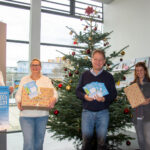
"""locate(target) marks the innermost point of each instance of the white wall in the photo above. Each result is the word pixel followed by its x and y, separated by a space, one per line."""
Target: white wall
pixel 130 21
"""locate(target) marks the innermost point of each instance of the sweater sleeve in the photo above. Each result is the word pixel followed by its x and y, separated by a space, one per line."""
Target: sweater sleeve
pixel 55 92
pixel 112 91
pixel 19 91
pixel 79 90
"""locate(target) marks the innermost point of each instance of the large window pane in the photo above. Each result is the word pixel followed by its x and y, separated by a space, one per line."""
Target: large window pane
pixel 17 21
pixel 54 30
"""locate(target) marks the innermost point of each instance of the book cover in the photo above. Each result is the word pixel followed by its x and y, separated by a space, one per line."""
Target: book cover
pixel 95 88
pixel 31 89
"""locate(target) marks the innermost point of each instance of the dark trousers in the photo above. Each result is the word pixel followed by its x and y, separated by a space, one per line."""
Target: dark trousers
pixel 143 134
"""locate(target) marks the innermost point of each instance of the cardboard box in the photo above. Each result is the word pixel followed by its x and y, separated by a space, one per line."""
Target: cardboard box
pixel 39 102
pixel 134 95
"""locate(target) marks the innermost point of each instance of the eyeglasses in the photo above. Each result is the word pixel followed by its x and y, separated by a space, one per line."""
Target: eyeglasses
pixel 35 65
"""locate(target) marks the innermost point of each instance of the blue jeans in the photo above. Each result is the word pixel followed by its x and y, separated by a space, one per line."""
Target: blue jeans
pixel 98 120
pixel 33 129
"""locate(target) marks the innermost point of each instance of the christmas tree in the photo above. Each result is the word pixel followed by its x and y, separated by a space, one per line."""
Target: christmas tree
pixel 65 119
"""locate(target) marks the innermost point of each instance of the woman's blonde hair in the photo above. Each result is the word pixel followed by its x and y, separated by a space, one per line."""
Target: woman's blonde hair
pixel 35 59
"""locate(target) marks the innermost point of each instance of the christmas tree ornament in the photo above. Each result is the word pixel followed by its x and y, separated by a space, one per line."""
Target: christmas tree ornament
pixel 73 53
pixel 68 87
pixel 84 29
pixel 124 78
pixel 86 57
pixel 56 112
pixel 90 38
pixel 86 26
pixel 104 39
pixel 83 52
pixel 81 18
pixel 126 110
pixel 118 83
pixel 121 59
pixel 70 32
pixel 89 10
pixel 105 44
pixel 128 143
pixel 95 12
pixel 63 58
pixel 123 53
pixel 70 74
pixel 88 51
pixel 75 42
pixel 70 81
pixel 95 28
pixel 65 69
pixel 76 72
pixel 60 85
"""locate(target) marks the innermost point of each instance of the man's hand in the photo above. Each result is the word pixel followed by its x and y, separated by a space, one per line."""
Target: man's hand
pixel 100 99
pixel 20 106
pixel 88 98
pixel 52 102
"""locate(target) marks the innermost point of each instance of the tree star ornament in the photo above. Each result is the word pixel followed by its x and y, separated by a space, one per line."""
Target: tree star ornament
pixel 89 10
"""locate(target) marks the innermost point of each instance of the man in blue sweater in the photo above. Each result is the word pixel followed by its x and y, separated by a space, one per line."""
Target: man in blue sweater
pixel 95 112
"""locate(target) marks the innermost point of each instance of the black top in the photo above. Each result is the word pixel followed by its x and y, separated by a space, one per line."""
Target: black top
pixel 104 77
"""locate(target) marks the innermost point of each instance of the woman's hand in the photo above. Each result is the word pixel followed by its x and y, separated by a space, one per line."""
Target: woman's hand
pixel 147 101
pixel 52 102
pixel 11 89
pixel 88 98
pixel 20 106
pixel 100 99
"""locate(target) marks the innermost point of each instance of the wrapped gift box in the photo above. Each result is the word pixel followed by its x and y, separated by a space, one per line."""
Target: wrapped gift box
pixel 39 102
pixel 134 95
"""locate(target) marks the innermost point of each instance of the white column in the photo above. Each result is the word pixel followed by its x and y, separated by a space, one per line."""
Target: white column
pixel 35 29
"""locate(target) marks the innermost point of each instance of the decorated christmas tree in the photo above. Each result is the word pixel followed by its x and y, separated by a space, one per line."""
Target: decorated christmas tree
pixel 65 119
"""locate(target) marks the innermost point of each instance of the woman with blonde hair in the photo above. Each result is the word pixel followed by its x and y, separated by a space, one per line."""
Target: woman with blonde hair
pixel 33 121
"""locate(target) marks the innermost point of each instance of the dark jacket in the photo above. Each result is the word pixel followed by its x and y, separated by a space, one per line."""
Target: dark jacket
pixel 106 78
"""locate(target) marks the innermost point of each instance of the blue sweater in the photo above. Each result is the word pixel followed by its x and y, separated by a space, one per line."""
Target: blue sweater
pixel 104 77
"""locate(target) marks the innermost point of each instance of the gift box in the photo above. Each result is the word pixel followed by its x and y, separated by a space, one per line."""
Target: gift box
pixel 134 95
pixel 41 101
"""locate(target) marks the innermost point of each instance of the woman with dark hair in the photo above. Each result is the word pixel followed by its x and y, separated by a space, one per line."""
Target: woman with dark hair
pixel 141 114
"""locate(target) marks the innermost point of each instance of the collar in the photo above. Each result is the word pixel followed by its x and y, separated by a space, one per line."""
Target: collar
pixel 95 73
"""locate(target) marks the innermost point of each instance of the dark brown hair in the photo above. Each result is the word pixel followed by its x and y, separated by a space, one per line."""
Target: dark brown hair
pixel 143 65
